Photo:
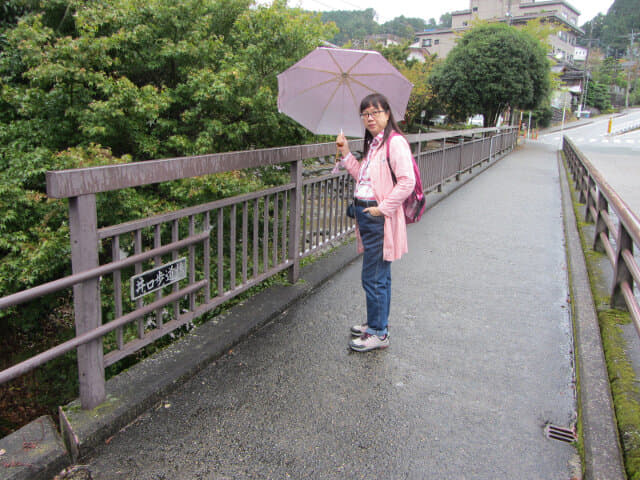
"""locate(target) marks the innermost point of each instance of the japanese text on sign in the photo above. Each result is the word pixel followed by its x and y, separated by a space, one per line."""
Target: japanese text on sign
pixel 153 280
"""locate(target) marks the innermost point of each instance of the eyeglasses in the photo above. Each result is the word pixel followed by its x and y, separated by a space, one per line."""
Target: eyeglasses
pixel 375 113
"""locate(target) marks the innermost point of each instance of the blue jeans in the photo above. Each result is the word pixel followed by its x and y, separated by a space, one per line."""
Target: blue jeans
pixel 376 272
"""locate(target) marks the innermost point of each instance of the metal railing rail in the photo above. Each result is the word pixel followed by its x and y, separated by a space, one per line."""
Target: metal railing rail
pixel 617 241
pixel 225 247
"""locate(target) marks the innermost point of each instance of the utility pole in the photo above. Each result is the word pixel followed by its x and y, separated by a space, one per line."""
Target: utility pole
pixel 626 98
pixel 585 78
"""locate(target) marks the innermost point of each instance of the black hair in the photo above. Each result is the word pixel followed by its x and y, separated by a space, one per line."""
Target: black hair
pixel 377 100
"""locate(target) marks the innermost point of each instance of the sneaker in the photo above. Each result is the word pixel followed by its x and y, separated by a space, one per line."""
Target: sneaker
pixel 369 342
pixel 359 330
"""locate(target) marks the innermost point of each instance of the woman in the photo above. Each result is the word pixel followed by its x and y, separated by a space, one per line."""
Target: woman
pixel 380 222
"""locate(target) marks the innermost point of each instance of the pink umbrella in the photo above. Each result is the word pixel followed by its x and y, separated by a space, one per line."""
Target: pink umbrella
pixel 323 90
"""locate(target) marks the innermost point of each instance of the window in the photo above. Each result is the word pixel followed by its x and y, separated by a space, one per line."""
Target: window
pixel 465 24
pixel 436 42
pixel 475 9
pixel 426 42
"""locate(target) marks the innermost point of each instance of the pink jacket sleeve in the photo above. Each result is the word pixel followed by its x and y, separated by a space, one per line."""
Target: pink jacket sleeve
pixel 352 165
pixel 400 158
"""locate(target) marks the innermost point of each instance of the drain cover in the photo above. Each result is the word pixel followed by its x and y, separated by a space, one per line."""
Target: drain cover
pixel 560 433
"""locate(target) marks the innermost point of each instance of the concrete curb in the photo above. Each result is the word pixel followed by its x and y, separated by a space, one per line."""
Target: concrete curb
pixel 567 126
pixel 34 452
pixel 602 451
pixel 146 384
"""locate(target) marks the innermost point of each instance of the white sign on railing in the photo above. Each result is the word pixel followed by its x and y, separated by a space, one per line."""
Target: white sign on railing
pixel 157 278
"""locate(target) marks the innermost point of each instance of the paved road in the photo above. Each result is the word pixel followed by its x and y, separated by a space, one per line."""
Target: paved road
pixel 480 360
pixel 616 156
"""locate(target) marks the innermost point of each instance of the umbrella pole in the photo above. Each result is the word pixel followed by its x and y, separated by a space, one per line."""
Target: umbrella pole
pixel 339 143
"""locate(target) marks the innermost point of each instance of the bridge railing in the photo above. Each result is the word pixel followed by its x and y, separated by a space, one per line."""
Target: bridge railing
pixel 616 240
pixel 138 281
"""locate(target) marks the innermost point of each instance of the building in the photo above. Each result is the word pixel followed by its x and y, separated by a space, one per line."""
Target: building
pixel 441 41
pixel 518 12
pixel 387 40
pixel 384 39
pixel 580 54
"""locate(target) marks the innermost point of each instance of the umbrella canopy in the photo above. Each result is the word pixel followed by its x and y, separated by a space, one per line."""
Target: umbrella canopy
pixel 323 90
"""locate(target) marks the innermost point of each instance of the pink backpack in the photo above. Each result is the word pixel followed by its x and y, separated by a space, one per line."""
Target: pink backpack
pixel 414 204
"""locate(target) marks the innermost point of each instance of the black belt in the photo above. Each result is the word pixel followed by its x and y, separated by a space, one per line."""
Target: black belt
pixel 364 203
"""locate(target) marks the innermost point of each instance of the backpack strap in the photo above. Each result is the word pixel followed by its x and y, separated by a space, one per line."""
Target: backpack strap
pixel 393 175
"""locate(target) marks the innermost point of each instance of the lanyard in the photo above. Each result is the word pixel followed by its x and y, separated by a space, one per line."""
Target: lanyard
pixel 365 167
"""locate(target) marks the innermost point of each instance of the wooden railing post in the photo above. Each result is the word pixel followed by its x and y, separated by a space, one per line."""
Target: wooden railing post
pixel 601 226
pixel 491 146
pixel 483 149
pixel 444 152
pixel 473 149
pixel 83 232
pixel 295 221
pixel 461 147
pixel 590 201
pixel 621 273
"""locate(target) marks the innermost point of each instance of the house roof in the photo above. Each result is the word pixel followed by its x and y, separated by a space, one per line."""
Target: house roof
pixel 550 2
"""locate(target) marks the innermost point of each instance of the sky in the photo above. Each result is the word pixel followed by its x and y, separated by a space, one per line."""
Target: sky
pixel 426 9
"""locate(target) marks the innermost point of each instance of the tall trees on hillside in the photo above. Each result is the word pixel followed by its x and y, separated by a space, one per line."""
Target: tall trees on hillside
pixel 492 68
pixel 612 32
pixel 352 25
pixel 403 27
pixel 355 25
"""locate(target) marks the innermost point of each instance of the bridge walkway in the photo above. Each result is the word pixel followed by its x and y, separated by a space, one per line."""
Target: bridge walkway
pixel 481 359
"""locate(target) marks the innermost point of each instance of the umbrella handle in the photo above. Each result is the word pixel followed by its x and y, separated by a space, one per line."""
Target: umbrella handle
pixel 339 143
pixel 336 167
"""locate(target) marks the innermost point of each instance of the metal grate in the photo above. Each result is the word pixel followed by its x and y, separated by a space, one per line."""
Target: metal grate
pixel 560 433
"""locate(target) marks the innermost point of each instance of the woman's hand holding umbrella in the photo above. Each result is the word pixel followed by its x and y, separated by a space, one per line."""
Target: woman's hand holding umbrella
pixel 343 145
pixel 342 150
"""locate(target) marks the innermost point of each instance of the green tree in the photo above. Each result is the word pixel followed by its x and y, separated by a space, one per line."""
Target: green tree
pixel 96 83
pixel 353 25
pixel 622 18
pixel 445 20
pixel 492 68
pixel 593 31
pixel 404 27
pixel 418 74
pixel 635 93
pixel 610 72
pixel 598 96
pixel 611 32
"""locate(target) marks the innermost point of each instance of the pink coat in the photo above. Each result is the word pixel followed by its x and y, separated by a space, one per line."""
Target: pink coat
pixel 388 196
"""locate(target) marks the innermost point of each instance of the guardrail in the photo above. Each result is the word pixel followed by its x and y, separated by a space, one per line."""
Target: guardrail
pixel 627 127
pixel 160 273
pixel 617 241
